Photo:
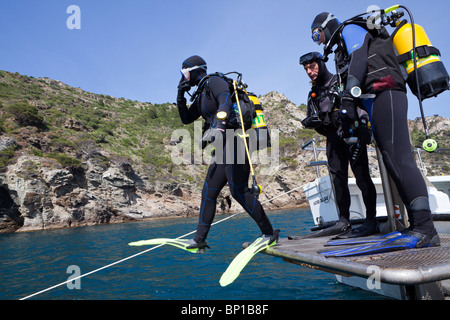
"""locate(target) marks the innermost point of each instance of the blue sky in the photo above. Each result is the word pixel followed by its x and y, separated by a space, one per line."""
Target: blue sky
pixel 134 49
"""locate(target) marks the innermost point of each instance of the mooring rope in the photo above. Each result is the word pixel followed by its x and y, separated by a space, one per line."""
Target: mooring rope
pixel 145 251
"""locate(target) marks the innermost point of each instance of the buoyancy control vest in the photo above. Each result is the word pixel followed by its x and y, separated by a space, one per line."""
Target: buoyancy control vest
pixel 321 106
pixel 383 71
pixel 322 100
pixel 247 106
pixel 252 111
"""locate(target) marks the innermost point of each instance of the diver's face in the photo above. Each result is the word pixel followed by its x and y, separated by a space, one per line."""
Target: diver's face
pixel 312 70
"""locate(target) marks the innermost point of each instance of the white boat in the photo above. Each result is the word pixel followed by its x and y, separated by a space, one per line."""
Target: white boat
pixel 324 211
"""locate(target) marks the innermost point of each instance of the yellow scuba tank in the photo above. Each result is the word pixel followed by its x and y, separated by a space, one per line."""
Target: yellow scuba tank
pixel 259 124
pixel 258 120
pixel 433 77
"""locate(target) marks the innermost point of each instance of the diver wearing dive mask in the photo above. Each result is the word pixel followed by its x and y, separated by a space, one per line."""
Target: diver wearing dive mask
pixel 322 102
pixel 213 102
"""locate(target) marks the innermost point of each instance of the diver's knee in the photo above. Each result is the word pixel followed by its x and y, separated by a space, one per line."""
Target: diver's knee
pixel 419 204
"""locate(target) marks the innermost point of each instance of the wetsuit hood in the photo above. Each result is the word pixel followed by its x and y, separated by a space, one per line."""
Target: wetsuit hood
pixel 324 75
pixel 326 21
pixel 196 74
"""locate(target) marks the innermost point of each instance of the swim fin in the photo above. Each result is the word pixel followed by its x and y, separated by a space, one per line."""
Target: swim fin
pixel 368 228
pixel 335 229
pixel 241 260
pixel 186 244
pixel 363 240
pixel 407 240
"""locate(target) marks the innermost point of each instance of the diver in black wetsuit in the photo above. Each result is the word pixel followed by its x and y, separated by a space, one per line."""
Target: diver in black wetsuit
pixel 322 106
pixel 368 63
pixel 213 104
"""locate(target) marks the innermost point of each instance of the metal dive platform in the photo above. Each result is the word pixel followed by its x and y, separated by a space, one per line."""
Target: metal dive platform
pixel 412 274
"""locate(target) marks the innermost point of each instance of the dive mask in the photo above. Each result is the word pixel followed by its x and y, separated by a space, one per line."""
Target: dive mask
pixel 186 72
pixel 316 35
pixel 310 57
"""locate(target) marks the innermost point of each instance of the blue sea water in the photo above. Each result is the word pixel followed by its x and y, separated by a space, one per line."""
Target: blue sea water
pixel 34 261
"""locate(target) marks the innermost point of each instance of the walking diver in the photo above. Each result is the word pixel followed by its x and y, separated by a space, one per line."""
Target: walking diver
pixel 213 103
pixel 321 116
pixel 370 65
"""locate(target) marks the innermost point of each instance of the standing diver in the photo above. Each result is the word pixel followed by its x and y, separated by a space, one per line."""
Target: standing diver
pixel 214 102
pixel 321 116
pixel 370 65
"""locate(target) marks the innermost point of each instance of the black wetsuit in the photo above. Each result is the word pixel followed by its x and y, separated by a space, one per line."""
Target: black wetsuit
pixel 215 96
pixel 339 153
pixel 373 64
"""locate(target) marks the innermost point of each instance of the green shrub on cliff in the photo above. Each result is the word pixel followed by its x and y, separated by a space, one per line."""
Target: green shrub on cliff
pixel 6 155
pixel 65 160
pixel 25 114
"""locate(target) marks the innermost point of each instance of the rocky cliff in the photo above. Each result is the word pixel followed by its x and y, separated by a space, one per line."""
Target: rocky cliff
pixel 72 158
